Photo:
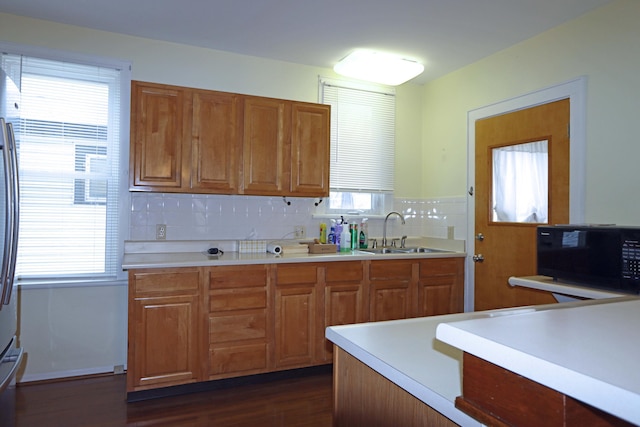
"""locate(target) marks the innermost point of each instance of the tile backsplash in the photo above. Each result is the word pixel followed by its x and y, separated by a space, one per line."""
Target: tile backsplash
pixel 220 217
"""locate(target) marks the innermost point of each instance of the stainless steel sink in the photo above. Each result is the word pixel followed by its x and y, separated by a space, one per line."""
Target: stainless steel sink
pixel 407 250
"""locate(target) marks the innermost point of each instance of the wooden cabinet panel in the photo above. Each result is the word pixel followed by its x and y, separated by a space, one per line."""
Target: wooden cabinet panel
pixel 295 324
pixel 498 397
pixel 345 293
pixel 239 332
pixel 166 281
pixel 237 360
pixel 158 143
pixel 246 325
pixel 392 286
pixel 237 299
pixel 310 145
pixel 264 149
pixel 215 141
pixel 297 274
pixel 441 286
pixel 165 328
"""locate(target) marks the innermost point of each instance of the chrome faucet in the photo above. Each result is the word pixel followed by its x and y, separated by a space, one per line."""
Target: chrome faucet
pixel 384 228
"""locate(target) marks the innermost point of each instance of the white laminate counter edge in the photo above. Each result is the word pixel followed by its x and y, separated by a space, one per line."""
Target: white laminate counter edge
pixel 198 259
pixel 546 283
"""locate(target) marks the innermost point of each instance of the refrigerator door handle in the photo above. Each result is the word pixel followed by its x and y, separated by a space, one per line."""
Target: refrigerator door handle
pixel 6 158
pixel 15 210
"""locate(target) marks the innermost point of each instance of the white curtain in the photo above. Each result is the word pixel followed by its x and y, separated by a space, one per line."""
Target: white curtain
pixel 520 183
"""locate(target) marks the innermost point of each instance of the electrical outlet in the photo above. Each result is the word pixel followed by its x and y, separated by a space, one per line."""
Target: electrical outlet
pixel 299 232
pixel 161 231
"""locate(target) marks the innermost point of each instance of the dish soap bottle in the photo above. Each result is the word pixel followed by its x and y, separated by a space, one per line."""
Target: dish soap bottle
pixel 364 234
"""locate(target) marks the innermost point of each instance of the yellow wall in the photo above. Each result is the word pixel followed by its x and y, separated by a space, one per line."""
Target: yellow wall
pixel 604 46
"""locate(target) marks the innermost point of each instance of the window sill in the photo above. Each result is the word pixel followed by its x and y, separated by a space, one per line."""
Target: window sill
pixel 32 284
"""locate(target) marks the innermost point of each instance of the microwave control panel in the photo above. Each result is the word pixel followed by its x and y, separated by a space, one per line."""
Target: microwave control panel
pixel 631 259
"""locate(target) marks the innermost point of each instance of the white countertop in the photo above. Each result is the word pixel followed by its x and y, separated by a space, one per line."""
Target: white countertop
pixel 546 283
pixel 587 350
pixel 193 254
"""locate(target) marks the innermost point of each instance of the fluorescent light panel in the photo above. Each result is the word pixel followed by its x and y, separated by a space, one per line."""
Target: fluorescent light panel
pixel 378 67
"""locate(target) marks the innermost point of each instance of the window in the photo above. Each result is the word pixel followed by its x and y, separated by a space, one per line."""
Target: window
pixel 68 139
pixel 362 146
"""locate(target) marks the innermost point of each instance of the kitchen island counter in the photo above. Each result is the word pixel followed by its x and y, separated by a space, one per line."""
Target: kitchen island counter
pixel 407 352
pixel 587 351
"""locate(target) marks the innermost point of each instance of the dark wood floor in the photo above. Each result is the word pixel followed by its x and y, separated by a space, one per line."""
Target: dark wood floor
pixel 304 401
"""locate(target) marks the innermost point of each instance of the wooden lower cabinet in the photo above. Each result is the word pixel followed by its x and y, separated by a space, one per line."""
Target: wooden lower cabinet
pixel 440 286
pixel 239 339
pixel 392 284
pixel 296 322
pixel 164 328
pixel 345 296
pixel 197 324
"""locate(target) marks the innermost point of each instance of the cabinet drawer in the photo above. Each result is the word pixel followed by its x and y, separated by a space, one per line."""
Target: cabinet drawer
pixel 237 299
pixel 164 280
pixel 236 359
pixel 236 327
pixel 437 266
pixel 237 276
pixel 383 270
pixel 343 272
pixel 296 274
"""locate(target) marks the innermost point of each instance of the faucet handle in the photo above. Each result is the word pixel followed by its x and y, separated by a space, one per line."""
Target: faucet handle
pixel 374 243
pixel 403 241
pixel 394 242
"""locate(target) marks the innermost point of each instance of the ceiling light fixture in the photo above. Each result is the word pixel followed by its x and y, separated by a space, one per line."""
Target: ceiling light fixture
pixel 378 67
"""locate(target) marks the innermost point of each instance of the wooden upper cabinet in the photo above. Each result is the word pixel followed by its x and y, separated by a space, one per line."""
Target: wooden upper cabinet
pixel 200 141
pixel 158 148
pixel 310 146
pixel 215 142
pixel 265 148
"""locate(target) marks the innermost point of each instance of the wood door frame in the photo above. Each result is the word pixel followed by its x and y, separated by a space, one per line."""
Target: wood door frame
pixel 576 91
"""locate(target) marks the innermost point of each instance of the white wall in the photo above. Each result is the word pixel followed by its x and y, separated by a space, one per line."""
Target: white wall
pixel 604 46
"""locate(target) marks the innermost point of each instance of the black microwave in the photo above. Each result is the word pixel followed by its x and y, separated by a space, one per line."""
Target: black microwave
pixel 599 256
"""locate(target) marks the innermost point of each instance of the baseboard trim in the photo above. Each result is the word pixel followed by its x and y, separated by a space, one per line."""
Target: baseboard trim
pixel 136 396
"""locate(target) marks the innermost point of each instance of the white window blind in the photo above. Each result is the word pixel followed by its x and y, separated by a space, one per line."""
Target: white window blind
pixel 362 136
pixel 69 150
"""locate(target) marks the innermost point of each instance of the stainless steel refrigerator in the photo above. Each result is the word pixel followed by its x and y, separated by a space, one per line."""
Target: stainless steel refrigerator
pixel 10 354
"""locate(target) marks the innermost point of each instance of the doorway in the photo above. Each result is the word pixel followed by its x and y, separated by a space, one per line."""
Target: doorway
pixel 575 92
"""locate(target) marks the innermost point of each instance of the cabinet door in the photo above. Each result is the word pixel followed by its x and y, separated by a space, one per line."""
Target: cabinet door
pixel 392 285
pixel 440 287
pixel 266 146
pixel 165 333
pixel 310 146
pixel 159 149
pixel 295 315
pixel 215 142
pixel 165 328
pixel 344 298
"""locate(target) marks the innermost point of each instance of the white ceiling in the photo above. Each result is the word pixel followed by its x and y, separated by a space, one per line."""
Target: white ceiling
pixel 445 35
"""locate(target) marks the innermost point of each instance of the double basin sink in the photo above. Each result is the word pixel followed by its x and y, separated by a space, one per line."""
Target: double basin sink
pixel 407 250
